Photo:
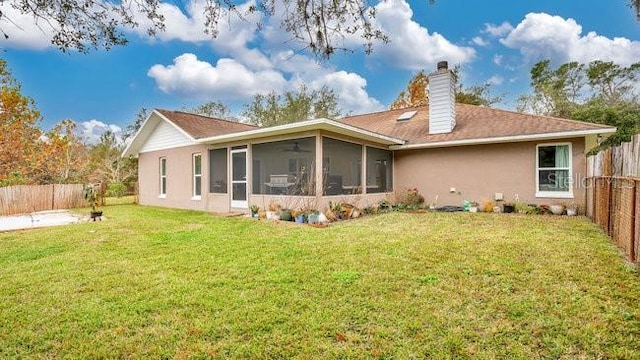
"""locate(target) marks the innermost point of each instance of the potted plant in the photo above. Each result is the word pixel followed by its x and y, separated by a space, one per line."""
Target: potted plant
pixel 556 209
pixel 92 196
pixel 473 207
pixel 300 216
pixel 274 209
pixel 314 217
pixel 572 209
pixel 254 210
pixel 285 214
pixel 508 207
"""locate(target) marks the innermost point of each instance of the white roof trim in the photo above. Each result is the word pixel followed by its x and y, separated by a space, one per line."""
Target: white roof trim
pixel 315 124
pixel 142 135
pixel 503 139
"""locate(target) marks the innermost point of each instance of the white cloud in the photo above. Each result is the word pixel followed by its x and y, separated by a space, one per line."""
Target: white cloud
pixel 350 89
pixel 495 80
pixel 540 36
pixel 187 27
pixel 228 79
pixel 91 130
pixel 497 59
pixel 477 40
pixel 411 46
pixel 497 30
pixel 23 30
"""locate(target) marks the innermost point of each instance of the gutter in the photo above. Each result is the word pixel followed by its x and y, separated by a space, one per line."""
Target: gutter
pixel 503 139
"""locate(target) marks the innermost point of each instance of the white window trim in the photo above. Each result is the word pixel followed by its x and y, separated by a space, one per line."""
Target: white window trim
pixel 161 194
pixel 554 194
pixel 194 176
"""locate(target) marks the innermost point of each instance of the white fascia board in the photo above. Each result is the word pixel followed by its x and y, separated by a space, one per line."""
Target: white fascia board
pixel 315 124
pixel 503 139
pixel 145 130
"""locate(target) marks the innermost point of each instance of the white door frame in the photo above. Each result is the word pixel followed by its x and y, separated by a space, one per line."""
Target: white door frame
pixel 240 204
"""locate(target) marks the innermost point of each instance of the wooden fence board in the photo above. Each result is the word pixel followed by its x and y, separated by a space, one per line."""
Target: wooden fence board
pixel 30 198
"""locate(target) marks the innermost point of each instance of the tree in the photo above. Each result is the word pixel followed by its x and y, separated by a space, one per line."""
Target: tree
pixel 63 158
pixel 83 25
pixel 274 109
pixel 417 93
pixel 480 95
pixel 133 128
pixel 625 116
pixel 555 91
pixel 215 109
pixel 612 83
pixel 108 165
pixel 19 131
pixel 599 92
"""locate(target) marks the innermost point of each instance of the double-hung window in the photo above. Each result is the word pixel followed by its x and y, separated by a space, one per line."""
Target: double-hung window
pixel 163 177
pixel 553 171
pixel 197 176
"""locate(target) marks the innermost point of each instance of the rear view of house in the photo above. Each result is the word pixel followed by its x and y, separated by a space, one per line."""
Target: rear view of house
pixel 453 151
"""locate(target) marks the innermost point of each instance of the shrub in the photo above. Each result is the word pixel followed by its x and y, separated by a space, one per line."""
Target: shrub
pixel 413 198
pixel 116 189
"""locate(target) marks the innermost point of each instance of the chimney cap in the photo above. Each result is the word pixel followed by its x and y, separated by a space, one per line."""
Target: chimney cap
pixel 443 65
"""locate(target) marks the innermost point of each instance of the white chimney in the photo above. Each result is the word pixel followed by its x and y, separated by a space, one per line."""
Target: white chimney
pixel 442 100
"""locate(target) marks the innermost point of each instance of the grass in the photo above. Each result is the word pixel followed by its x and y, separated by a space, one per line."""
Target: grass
pixel 123 200
pixel 160 283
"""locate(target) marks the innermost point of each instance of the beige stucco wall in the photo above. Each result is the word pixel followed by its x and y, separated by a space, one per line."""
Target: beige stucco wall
pixel 179 178
pixel 179 182
pixel 478 172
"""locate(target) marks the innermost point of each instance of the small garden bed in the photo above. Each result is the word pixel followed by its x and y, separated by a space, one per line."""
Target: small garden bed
pixel 407 201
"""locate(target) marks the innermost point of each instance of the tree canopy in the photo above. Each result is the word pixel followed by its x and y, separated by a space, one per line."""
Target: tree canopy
pixel 417 92
pixel 32 156
pixel 599 92
pixel 275 109
pixel 321 25
pixel 19 130
pixel 215 109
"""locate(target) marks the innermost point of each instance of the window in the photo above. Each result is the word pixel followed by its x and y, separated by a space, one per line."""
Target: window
pixel 379 170
pixel 197 176
pixel 554 171
pixel 163 177
pixel 218 171
pixel 284 167
pixel 342 167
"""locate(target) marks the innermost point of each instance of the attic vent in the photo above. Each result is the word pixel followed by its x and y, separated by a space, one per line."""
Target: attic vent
pixel 406 115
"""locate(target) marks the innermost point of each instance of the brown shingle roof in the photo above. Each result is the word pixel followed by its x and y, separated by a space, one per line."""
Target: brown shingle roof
pixel 472 122
pixel 199 126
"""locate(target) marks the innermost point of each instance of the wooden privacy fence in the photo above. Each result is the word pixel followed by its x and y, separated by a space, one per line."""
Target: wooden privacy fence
pixel 613 195
pixel 614 204
pixel 29 198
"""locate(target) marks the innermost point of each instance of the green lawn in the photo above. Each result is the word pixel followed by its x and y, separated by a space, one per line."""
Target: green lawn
pixel 159 283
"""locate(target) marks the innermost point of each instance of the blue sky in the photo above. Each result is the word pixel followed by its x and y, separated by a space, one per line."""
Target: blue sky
pixel 493 41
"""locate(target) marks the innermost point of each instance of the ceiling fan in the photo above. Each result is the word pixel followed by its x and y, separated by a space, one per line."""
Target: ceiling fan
pixel 296 149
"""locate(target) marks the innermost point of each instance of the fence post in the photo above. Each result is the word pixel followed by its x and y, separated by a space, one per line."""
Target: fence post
pixel 634 236
pixel 610 214
pixel 53 196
